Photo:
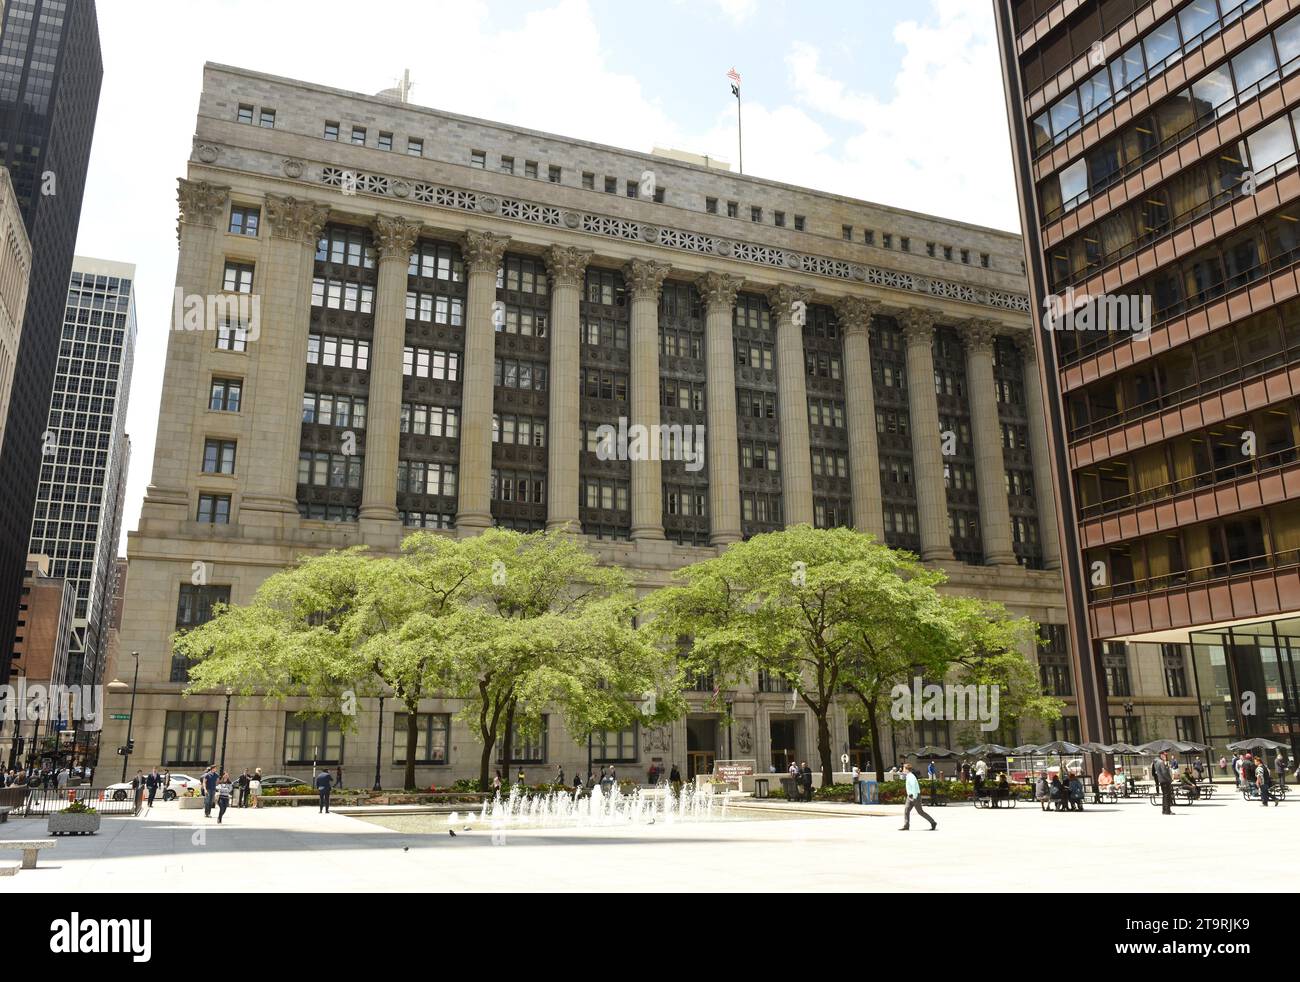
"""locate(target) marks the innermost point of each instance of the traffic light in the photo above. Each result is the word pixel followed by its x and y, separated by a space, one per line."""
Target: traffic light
pixel 130 747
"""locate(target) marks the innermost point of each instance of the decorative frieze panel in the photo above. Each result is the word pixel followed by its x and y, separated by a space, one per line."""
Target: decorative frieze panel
pixel 353 182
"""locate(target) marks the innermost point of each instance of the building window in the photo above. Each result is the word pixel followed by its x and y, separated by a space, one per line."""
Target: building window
pixel 267 119
pixel 733 209
pixel 1054 660
pixel 1066 728
pixel 554 174
pixel 431 730
pixel 1175 665
pixel 1123 729
pixel 478 158
pixel 523 431
pixel 329 470
pixel 414 147
pixel 190 738
pixel 711 205
pixel 589 180
pixel 1114 662
pixel 218 456
pixel 965 256
pixel 194 605
pixel 905 243
pixel 244 220
pixel 778 219
pixel 329 409
pixel 431 363
pixel 527 748
pixel 238 277
pixel 869 237
pixel 225 395
pixel 312 741
pixel 887 240
pixel 984 259
pixel 947 254
pixel 425 477
pixel 512 374
pixel 385 140
pixel 245 114
pixel 232 337
pixel 929 249
pixel 530 169
pixel 755 214
pixel 507 164
pixel 846 233
pixel 335 352
pixel 331 130
pixel 799 223
pixel 522 487
pixel 611 185
pixel 359 135
pixel 1185 729
pixel 614 746
pixel 214 509
pixel 442 421
pixel 632 189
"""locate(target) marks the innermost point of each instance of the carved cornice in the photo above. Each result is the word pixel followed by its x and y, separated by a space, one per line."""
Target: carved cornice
pixel 567 265
pixel 855 313
pixel 296 219
pixel 718 289
pixel 781 299
pixel 201 203
pixel 394 237
pixel 918 324
pixel 483 250
pixel 645 278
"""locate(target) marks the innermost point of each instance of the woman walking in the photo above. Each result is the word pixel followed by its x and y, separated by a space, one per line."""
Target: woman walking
pixel 223 796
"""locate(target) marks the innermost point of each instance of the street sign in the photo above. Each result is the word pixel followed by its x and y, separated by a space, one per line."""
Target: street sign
pixel 119 716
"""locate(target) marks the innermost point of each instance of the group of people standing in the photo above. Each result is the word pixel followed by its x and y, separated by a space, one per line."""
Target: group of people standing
pixel 45 777
pixel 802 776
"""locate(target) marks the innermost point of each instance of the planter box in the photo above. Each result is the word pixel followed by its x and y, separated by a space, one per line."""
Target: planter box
pixel 73 824
pixel 187 802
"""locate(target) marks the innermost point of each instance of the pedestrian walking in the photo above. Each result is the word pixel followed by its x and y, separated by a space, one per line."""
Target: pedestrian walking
pixel 323 784
pixel 914 801
pixel 242 783
pixel 151 784
pixel 1263 781
pixel 1163 775
pixel 210 779
pixel 675 778
pixel 1280 769
pixel 1198 768
pixel 223 796
pixel 255 787
pixel 338 776
pixel 806 775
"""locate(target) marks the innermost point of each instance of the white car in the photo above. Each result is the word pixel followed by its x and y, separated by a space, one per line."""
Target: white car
pixel 179 784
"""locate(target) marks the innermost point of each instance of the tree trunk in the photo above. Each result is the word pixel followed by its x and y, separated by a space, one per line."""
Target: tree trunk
pixel 485 762
pixel 877 758
pixel 412 731
pixel 824 746
pixel 506 739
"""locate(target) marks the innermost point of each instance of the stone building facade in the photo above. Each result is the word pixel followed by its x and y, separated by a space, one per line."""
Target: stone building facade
pixel 438 315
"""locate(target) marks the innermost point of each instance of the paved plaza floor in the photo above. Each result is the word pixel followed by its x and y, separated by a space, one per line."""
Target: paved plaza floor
pixel 1128 846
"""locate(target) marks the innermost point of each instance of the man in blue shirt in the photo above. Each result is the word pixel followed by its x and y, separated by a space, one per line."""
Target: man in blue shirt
pixel 323 784
pixel 914 801
pixel 210 778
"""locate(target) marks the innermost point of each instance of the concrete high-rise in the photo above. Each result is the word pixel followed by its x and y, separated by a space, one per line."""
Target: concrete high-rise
pixel 50 71
pixel 417 319
pixel 79 500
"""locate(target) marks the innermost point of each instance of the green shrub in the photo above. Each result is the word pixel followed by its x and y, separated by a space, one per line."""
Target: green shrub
pixel 78 808
pixel 835 792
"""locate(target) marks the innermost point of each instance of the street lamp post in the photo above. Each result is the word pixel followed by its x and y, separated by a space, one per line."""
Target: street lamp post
pixel 379 746
pixel 225 728
pixel 117 685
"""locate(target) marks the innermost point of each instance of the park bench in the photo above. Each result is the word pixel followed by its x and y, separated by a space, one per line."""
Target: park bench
pixel 988 799
pixel 29 847
pixel 1251 793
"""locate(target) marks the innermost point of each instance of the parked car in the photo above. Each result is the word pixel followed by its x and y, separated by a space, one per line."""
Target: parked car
pixel 285 781
pixel 179 784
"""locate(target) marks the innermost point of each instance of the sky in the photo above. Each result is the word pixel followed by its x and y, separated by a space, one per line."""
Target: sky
pixel 895 102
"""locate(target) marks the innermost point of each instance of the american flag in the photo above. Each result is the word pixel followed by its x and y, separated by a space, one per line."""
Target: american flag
pixel 735 82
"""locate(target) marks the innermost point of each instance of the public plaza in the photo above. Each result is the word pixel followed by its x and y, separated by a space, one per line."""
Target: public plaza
pixel 1108 848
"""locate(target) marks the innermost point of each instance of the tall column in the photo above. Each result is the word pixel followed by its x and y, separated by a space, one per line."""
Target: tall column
pixel 645 280
pixel 393 238
pixel 567 267
pixel 792 405
pixel 986 432
pixel 927 448
pixel 1041 454
pixel 718 291
pixel 482 252
pixel 854 315
pixel 277 341
pixel 202 209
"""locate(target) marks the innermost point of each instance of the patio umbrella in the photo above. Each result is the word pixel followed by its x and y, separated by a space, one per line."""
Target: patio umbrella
pixel 1029 749
pixel 1098 748
pixel 1258 743
pixel 1060 748
pixel 996 749
pixel 1164 746
pixel 934 752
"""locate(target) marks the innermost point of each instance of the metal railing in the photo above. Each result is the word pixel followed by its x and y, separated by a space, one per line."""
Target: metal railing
pixel 46 801
pixel 1226 570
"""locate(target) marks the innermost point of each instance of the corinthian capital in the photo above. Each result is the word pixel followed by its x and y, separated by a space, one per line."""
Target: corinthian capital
pixel 201 203
pixel 918 324
pixel 980 334
pixel 781 299
pixel 855 313
pixel 483 250
pixel 645 278
pixel 394 237
pixel 718 289
pixel 567 265
pixel 296 219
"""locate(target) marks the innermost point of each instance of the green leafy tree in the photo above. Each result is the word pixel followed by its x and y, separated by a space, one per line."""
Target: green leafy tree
pixel 554 630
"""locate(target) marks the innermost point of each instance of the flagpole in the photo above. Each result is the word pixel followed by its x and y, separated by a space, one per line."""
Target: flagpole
pixel 740 132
